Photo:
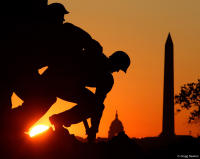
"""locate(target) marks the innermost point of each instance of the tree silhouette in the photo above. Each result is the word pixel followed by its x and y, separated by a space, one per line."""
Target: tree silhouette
pixel 189 98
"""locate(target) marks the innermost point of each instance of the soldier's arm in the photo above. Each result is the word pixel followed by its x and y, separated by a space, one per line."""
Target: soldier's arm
pixel 104 86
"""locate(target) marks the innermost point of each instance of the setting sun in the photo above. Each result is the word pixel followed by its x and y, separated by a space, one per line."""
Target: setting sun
pixel 38 129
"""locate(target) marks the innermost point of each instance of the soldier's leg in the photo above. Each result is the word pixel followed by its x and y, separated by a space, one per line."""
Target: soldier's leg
pixel 87 105
pixel 103 85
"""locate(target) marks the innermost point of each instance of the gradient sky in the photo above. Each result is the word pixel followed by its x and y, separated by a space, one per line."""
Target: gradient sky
pixel 140 28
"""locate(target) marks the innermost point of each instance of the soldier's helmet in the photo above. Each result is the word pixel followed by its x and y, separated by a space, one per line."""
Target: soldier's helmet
pixel 57 9
pixel 120 60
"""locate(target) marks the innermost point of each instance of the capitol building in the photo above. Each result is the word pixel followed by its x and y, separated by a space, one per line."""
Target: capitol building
pixel 116 127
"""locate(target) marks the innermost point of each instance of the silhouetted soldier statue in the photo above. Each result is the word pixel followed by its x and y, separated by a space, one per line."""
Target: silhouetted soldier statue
pixel 29 53
pixel 73 54
pixel 70 54
pixel 24 78
pixel 19 68
pixel 19 64
pixel 97 72
pixel 100 76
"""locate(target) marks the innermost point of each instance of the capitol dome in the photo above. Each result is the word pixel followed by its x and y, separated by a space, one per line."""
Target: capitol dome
pixel 116 127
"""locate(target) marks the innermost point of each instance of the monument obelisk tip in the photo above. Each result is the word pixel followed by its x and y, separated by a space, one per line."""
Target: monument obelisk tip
pixel 169 39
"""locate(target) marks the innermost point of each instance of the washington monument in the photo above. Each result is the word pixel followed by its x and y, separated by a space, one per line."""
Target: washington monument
pixel 168 98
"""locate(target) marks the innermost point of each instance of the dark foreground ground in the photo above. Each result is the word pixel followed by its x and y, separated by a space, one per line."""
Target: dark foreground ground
pixel 59 145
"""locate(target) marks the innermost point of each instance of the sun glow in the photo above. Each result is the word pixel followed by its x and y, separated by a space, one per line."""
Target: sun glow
pixel 37 130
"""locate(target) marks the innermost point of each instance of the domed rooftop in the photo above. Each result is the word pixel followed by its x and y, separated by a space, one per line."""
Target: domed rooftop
pixel 115 127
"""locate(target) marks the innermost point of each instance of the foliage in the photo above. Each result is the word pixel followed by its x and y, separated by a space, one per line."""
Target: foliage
pixel 189 98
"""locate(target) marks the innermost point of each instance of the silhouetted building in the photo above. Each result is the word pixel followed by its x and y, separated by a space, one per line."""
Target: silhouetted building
pixel 168 98
pixel 115 128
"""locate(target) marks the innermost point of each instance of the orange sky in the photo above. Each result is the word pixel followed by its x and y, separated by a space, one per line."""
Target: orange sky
pixel 140 28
